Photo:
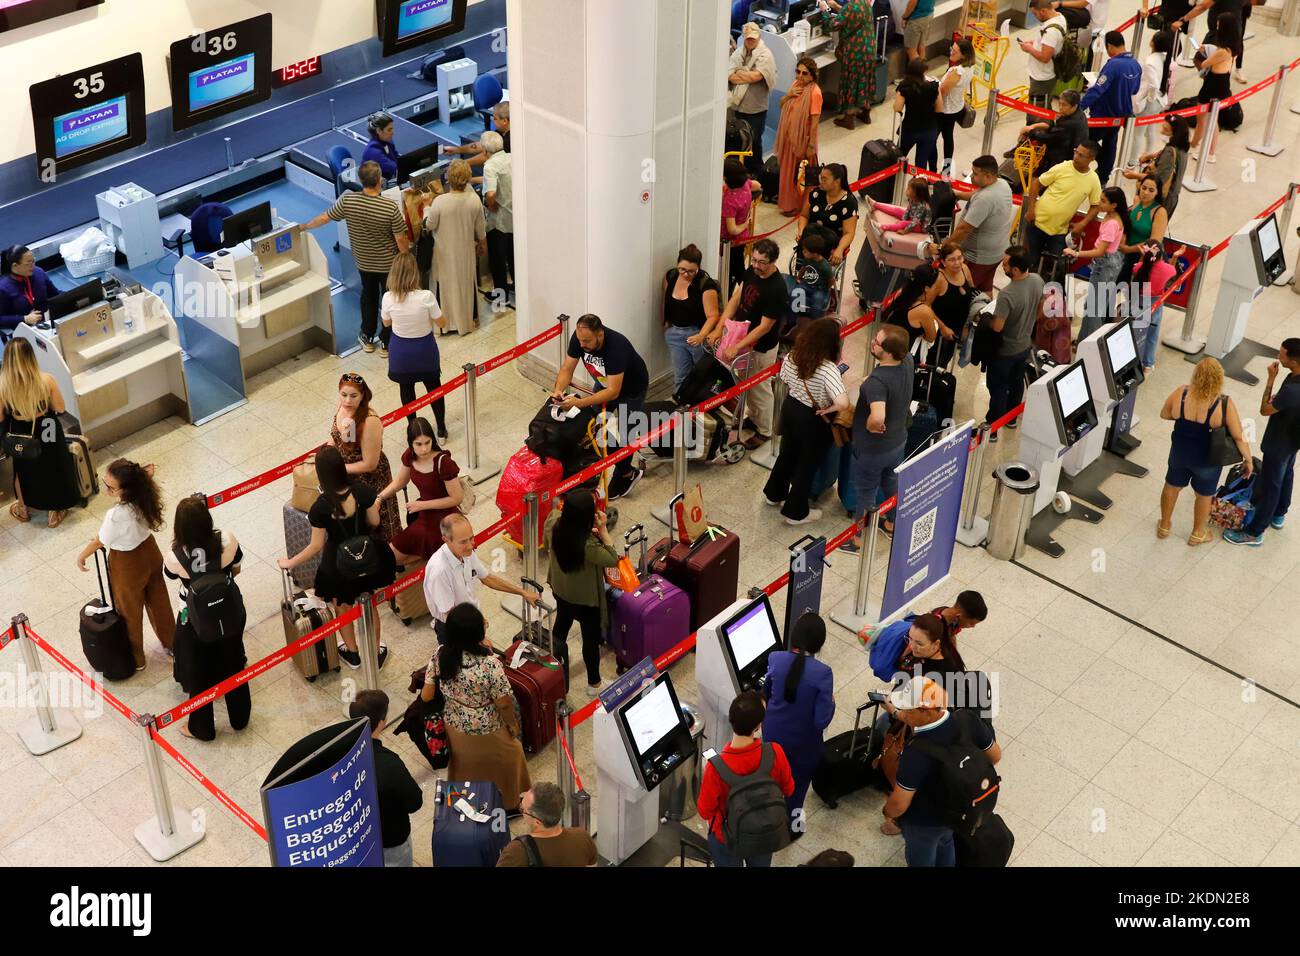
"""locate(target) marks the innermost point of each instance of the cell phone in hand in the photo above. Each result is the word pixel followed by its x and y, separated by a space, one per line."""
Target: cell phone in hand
pixel 843 367
pixel 878 697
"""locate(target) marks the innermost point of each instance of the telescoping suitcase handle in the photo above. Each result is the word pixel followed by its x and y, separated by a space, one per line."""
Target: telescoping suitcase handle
pixel 629 541
pixel 672 523
pixel 547 612
pixel 104 599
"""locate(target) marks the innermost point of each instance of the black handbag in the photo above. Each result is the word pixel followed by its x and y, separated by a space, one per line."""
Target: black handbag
pixel 1223 447
pixel 424 725
pixel 22 447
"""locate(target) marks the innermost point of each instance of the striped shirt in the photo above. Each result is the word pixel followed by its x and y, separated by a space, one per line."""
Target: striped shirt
pixel 823 387
pixel 373 223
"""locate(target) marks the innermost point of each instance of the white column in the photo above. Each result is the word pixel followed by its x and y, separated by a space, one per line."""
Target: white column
pixel 617 121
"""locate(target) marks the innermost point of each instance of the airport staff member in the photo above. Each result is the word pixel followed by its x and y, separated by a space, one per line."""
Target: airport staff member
pixel 474 152
pixel 377 231
pixel 381 149
pixel 454 573
pixel 25 290
pixel 623 378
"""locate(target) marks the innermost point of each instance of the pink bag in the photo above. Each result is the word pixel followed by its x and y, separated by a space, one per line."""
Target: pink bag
pixel 732 335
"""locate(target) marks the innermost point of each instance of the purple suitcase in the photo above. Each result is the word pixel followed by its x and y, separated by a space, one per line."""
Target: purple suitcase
pixel 650 620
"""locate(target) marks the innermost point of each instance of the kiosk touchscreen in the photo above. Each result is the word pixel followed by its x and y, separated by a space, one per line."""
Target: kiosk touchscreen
pixel 1266 243
pixel 1113 371
pixel 731 653
pixel 1071 400
pixel 1059 413
pixel 637 748
pixel 1254 260
pixel 1121 369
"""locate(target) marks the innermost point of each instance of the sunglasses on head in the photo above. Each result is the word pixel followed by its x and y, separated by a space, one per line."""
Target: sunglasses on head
pixel 352 377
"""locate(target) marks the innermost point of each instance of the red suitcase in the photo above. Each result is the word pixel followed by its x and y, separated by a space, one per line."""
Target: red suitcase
pixel 538 684
pixel 708 570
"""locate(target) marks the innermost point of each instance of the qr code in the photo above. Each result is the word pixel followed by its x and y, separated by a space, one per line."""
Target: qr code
pixel 923 531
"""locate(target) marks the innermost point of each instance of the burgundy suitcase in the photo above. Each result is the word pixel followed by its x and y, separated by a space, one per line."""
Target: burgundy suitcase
pixel 538 684
pixel 708 570
pixel 650 620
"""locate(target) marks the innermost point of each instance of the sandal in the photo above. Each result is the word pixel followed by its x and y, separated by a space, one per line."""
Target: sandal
pixel 1195 539
pixel 55 518
pixel 19 512
pixel 1162 531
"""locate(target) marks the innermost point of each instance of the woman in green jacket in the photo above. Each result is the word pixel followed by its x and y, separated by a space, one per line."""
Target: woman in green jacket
pixel 580 550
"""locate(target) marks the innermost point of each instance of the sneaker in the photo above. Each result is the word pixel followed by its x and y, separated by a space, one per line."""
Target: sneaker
pixel 774 504
pixel 993 437
pixel 1233 536
pixel 593 690
pixel 1239 76
pixel 383 655
pixel 365 343
pixel 1014 423
pixel 621 486
pixel 814 514
pixel 1278 523
pixel 383 348
pixel 351 658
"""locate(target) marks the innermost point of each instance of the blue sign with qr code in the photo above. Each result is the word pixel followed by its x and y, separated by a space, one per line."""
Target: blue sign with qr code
pixel 930 489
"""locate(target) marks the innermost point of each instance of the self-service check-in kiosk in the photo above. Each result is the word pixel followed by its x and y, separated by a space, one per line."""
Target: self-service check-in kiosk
pixel 731 654
pixel 1254 260
pixel 1059 414
pixel 639 745
pixel 1110 359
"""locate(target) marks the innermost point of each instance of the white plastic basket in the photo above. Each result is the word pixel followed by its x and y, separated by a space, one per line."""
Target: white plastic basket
pixel 80 268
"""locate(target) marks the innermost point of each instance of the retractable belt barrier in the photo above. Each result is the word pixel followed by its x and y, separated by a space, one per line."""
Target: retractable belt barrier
pixel 56 655
pixel 568 754
pixel 6 638
pixel 208 785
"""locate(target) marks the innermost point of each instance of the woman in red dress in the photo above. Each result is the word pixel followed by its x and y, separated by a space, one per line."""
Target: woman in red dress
pixel 435 475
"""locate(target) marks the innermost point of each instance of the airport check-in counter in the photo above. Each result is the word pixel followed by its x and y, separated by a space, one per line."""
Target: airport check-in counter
pixel 251 307
pixel 115 380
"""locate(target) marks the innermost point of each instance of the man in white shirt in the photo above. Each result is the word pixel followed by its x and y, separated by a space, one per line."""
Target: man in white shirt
pixel 454 573
pixel 1041 50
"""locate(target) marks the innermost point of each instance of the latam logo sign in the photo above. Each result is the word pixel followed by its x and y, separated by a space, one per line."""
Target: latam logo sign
pixel 224 72
pixel 91 116
pixel 423 6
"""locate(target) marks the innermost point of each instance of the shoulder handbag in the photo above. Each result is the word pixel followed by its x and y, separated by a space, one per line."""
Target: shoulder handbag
pixel 841 424
pixel 468 496
pixel 892 752
pixel 1223 447
pixel 966 118
pixel 22 447
pixel 306 488
pixel 424 725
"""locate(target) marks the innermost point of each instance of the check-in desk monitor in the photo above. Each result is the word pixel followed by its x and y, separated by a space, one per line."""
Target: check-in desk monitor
pixel 246 224
pixel 656 732
pixel 75 299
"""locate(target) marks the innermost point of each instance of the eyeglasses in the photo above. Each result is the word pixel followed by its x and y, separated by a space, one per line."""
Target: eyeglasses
pixel 759 261
pixel 802 73
pixel 352 377
pixel 682 270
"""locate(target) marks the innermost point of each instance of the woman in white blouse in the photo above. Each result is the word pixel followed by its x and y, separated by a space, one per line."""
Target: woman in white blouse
pixel 1152 96
pixel 411 313
pixel 135 564
pixel 814 395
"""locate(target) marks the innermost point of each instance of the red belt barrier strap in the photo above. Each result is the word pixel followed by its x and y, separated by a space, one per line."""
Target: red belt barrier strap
pixel 1249 91
pixel 1023 107
pixel 261 481
pixel 568 754
pixel 1007 418
pixel 257 669
pixel 509 355
pixel 86 679
pixel 211 787
pixel 493 530
pixel 6 637
pixel 876 177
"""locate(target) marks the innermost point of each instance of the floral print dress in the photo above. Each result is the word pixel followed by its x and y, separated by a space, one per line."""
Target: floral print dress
pixel 856 53
pixel 390 520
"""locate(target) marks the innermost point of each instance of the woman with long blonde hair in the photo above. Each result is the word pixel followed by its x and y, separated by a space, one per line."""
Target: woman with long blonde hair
pixel 411 312
pixel 45 475
pixel 1196 410
pixel 459 224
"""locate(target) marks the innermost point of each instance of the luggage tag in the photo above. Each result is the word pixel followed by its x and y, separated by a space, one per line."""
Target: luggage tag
pixel 466 810
pixel 533 653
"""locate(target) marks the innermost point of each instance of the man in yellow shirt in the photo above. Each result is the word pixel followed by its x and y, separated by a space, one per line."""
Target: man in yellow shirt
pixel 1054 198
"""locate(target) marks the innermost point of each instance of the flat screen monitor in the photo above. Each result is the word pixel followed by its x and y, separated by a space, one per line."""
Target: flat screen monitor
pixel 748 637
pixel 246 224
pixel 87 115
pixel 656 731
pixel 416 160
pixel 408 23
pixel 1266 241
pixel 1120 360
pixel 220 71
pixel 74 300
pixel 23 13
pixel 1073 401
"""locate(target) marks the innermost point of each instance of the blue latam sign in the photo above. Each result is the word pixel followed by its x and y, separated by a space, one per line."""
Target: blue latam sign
pixel 91 116
pixel 420 15
pixel 329 817
pixel 222 73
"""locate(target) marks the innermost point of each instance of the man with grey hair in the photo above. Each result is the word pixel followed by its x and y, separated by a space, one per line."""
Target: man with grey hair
pixel 498 197
pixel 454 573
pixel 548 843
pixel 474 152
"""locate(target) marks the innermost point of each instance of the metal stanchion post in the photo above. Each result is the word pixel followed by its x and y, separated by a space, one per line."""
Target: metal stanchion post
pixel 48 730
pixel 974 530
pixel 1270 146
pixel 1139 24
pixel 869 362
pixel 1183 340
pixel 479 471
pixel 383 96
pixel 1285 229
pixel 580 811
pixel 159 835
pixel 230 155
pixel 563 777
pixel 854 614
pixel 564 340
pixel 681 435
pixel 1127 137
pixel 334 118
pixel 990 121
pixel 367 645
pixel 724 270
pixel 769 455
pixel 899 197
pixel 514 604
pixel 1200 184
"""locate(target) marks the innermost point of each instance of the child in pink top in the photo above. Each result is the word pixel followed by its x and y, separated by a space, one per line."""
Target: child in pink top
pixel 1151 277
pixel 1105 262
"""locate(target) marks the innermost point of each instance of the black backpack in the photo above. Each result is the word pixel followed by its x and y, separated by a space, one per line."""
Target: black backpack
pixel 965 783
pixel 1067 61
pixel 357 556
pixel 755 821
pixel 213 601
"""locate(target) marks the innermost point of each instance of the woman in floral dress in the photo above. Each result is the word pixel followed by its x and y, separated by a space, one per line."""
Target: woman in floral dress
pixel 856 53
pixel 358 434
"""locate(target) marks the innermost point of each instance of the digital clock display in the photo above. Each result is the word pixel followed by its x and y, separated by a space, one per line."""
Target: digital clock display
pixel 297 71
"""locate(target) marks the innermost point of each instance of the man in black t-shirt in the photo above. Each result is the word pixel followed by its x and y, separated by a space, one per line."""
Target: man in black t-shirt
pixel 1271 497
pixel 762 302
pixel 622 382
pixel 399 794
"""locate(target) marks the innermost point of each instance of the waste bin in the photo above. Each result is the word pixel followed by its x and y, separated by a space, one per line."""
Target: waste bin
pixel 1013 506
pixel 677 794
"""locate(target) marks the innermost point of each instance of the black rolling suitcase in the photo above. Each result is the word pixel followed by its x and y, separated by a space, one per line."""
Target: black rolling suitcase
pixel 770 179
pixel 104 640
pixel 846 765
pixel 878 154
pixel 935 392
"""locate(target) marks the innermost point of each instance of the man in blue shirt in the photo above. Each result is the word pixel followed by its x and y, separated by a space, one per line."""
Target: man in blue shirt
pixel 381 149
pixel 1272 495
pixel 1112 96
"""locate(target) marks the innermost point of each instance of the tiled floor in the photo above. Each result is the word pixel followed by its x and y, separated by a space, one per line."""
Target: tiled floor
pixel 1128 736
